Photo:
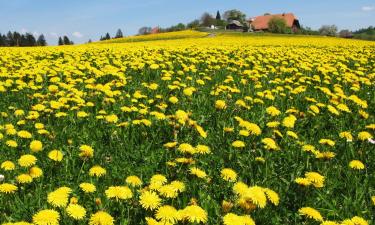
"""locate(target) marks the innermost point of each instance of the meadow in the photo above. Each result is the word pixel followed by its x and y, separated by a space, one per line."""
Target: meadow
pixel 231 129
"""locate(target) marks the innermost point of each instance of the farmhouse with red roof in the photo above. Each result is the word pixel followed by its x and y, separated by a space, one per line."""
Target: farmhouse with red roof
pixel 260 23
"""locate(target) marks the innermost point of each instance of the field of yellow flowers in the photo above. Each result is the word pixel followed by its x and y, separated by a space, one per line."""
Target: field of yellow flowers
pixel 232 129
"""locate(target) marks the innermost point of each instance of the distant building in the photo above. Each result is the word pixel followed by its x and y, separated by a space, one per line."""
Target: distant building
pixel 235 25
pixel 260 23
pixel 155 30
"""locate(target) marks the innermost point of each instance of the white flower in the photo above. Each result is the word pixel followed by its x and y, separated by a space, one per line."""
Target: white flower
pixel 372 141
pixel 1 177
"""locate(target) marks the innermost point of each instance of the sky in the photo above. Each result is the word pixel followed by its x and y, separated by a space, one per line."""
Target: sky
pixel 82 20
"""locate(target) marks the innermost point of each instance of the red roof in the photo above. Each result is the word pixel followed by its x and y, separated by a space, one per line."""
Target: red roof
pixel 261 22
pixel 155 30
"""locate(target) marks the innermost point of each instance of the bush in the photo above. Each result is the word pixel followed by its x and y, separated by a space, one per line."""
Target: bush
pixel 277 25
pixel 328 30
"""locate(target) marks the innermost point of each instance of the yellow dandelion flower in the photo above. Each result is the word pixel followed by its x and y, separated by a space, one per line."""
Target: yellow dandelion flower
pixel 186 148
pixel 24 179
pixel 289 121
pixel 202 149
pixel 273 111
pixel 327 142
pixel 87 187
pixel 27 160
pixel 198 172
pixel 229 175
pixel 36 146
pixel 173 100
pixel 272 196
pixel 270 144
pixel 101 218
pixel 11 143
pixel 119 192
pixel 59 197
pixel 233 219
pixel 149 200
pixel 170 144
pixel 194 214
pixel 238 144
pixel 76 211
pixel 315 178
pixel 55 155
pixel 311 213
pixel 97 171
pixel 35 172
pixel 256 195
pixel 167 214
pixel 133 181
pixel 24 134
pixel 220 104
pixel 86 151
pixel 7 165
pixel 8 188
pixel 46 217
pixel 356 164
pixel 364 135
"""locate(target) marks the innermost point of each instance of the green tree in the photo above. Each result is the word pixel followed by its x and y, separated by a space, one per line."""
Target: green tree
pixel 234 14
pixel 193 24
pixel 107 36
pixel 119 34
pixel 207 19
pixel 2 41
pixel 218 16
pixel 10 39
pixel 60 42
pixel 277 25
pixel 66 40
pixel 41 40
pixel 144 30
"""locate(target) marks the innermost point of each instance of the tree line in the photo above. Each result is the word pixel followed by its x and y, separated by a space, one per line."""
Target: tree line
pixel 107 36
pixel 15 38
pixel 65 41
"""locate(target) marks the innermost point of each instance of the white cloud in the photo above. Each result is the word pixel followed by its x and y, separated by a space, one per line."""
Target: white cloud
pixel 23 30
pixel 77 34
pixel 368 8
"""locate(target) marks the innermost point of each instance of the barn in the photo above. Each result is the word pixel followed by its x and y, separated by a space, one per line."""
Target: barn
pixel 234 25
pixel 260 23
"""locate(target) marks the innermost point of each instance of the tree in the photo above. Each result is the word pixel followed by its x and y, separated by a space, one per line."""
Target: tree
pixel 277 25
pixel 16 39
pixel 107 36
pixel 119 34
pixel 28 40
pixel 10 39
pixel 218 16
pixel 328 30
pixel 345 34
pixel 207 19
pixel 193 24
pixel 144 30
pixel 234 14
pixel 66 40
pixel 90 41
pixel 41 40
pixel 60 42
pixel 2 40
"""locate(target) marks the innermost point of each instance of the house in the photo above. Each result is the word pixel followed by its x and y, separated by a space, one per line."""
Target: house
pixel 155 30
pixel 234 25
pixel 260 23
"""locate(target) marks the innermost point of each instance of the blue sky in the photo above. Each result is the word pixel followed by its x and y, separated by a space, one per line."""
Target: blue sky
pixel 85 19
